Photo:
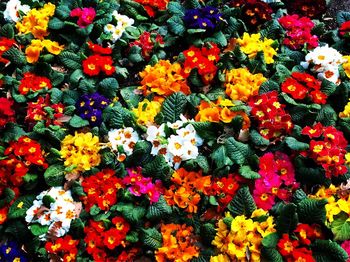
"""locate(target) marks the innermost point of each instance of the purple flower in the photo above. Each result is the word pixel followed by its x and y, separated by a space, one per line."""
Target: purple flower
pixel 12 252
pixel 90 107
pixel 202 18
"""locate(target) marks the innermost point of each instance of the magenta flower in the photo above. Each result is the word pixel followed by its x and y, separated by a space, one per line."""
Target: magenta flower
pixel 85 15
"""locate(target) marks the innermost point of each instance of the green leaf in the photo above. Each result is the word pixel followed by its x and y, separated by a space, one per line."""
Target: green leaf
pixel 56 23
pixel 15 56
pixel 12 132
pixel 56 95
pixel 258 140
pixel 55 175
pixel 130 97
pixel 248 173
pixel 108 87
pixel 287 220
pixel 157 168
pixel 238 152
pixel 341 228
pixel 76 229
pixel 270 254
pixel 295 144
pixel 131 213
pixel 328 87
pixel 218 38
pixel 327 116
pixel 38 229
pixel 271 240
pixel 77 122
pixel 342 17
pixel 19 208
pixel 282 73
pixel 70 60
pixel 298 196
pixel 312 211
pixel 86 30
pixel 151 238
pixel 132 237
pixel 7 31
pixel 328 251
pixel 242 203
pixel 207 232
pixel 7 196
pixel 220 157
pixel 176 8
pixel 173 107
pixel 176 25
pixel 62 11
pixel 158 210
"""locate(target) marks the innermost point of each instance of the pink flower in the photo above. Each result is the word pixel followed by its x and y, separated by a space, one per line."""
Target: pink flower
pixel 263 197
pixel 86 15
pixel 346 246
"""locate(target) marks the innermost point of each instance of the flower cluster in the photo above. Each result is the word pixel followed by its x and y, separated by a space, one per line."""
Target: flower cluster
pixel 220 111
pixel 254 12
pixel 100 239
pixel 252 44
pixel 225 189
pixel 139 185
pixel 43 110
pixel 327 148
pixel 146 111
pixel 33 83
pixel 37 46
pixel 54 208
pixel 178 147
pixel 324 61
pixel 298 32
pixel 309 8
pixel 85 15
pixel 241 234
pixel 101 189
pixel 273 121
pixel 203 18
pixel 277 180
pixel 123 141
pixel 203 59
pixel 152 6
pixel 99 61
pixel 148 42
pixel 90 107
pixel 81 151
pixel 186 188
pixel 164 79
pixel 7 114
pixel 346 112
pixel 240 84
pixel 65 248
pixel 344 29
pixel 116 31
pixel 10 251
pixel 293 250
pixel 36 21
pixel 5 44
pixel 303 85
pixel 178 243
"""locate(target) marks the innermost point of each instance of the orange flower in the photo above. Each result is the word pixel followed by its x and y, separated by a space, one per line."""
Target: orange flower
pixel 163 79
pixel 33 51
pixel 178 244
pixel 53 47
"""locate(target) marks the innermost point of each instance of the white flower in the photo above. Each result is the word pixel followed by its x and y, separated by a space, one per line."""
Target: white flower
pixel 11 13
pixel 57 216
pixel 190 151
pixel 109 28
pixel 154 132
pixel 125 137
pixel 175 145
pixel 123 20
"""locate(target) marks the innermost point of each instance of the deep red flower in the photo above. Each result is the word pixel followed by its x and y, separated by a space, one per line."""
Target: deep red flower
pixel 292 87
pixel 5 44
pixel 99 50
pixel 310 8
pixel 7 114
pixel 286 246
pixel 344 29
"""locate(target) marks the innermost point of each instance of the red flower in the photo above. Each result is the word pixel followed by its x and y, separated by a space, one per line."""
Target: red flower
pixel 305 233
pixel 310 8
pixel 286 246
pixel 91 65
pixel 315 131
pixel 5 44
pixel 7 114
pixel 303 254
pixel 292 87
pixel 99 50
pixel 112 238
pixel 32 82
pixel 344 29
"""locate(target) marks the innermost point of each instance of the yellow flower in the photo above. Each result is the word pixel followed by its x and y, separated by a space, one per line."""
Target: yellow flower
pixel 81 150
pixel 346 65
pixel 146 111
pixel 240 84
pixel 251 45
pixel 221 239
pixel 36 46
pixel 346 112
pixel 36 21
pixel 163 79
pixel 347 158
pixel 220 258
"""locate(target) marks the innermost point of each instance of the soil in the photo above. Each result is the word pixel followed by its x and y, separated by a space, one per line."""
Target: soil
pixel 334 7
